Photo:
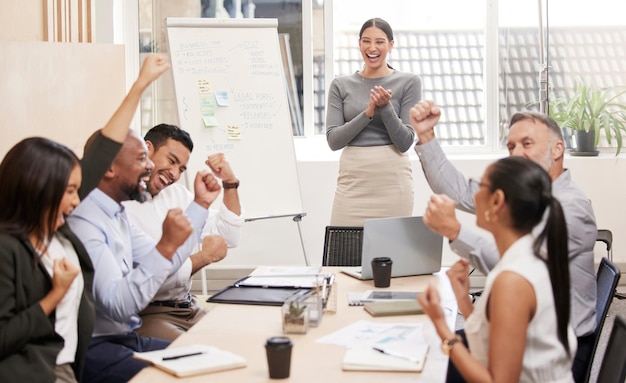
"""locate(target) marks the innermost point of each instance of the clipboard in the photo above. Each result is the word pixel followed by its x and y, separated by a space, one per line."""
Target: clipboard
pixel 256 295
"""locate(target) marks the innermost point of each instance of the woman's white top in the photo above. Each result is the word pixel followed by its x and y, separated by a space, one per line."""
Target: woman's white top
pixel 66 322
pixel 545 359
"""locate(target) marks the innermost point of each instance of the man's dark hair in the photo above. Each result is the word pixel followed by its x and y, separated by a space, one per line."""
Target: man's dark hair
pixel 162 132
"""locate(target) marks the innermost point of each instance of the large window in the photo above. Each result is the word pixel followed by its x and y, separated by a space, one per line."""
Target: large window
pixel 444 48
pixel 579 42
pixel 480 60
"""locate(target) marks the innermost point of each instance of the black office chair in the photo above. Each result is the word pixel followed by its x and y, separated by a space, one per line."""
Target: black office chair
pixel 607 278
pixel 343 246
pixel 613 367
pixel 606 236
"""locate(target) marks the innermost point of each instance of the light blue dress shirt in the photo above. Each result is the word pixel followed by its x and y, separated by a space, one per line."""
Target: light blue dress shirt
pixel 128 268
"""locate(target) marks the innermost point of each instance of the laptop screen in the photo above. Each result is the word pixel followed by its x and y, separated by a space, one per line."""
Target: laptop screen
pixel 411 245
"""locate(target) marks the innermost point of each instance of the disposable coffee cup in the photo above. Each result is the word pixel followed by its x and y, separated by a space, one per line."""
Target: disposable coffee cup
pixel 278 350
pixel 381 269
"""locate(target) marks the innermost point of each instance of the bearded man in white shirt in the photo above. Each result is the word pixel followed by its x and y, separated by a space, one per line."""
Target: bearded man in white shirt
pixel 174 310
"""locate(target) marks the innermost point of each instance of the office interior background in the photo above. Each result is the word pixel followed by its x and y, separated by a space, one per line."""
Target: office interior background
pixel 480 61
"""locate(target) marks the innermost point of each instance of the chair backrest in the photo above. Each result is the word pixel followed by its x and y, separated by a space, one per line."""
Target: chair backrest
pixel 343 246
pixel 606 236
pixel 607 279
pixel 613 367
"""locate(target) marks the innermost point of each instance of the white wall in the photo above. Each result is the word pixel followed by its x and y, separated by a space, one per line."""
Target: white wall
pixel 276 241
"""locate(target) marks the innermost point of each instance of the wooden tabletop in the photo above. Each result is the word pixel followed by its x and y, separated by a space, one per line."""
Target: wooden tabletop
pixel 243 329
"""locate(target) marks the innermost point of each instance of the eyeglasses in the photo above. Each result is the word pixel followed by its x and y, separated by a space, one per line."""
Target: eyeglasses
pixel 474 183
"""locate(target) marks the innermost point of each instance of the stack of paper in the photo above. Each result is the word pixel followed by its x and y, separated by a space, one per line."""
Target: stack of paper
pixel 374 346
pixel 276 276
pixel 192 360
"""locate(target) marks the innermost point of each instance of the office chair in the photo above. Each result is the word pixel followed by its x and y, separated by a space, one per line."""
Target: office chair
pixel 607 278
pixel 613 367
pixel 343 246
pixel 606 236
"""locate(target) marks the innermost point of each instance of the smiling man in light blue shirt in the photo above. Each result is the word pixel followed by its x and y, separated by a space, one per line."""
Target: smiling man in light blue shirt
pixel 129 265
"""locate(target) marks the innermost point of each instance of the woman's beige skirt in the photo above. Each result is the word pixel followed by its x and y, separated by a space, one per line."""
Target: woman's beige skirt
pixel 373 182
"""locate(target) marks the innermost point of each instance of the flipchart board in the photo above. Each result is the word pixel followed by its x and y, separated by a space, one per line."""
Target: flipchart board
pixel 231 98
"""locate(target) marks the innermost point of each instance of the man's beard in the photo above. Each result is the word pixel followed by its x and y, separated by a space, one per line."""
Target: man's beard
pixel 137 195
pixel 546 160
pixel 138 191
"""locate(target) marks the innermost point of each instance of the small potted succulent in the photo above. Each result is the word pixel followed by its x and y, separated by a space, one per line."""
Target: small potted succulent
pixel 295 317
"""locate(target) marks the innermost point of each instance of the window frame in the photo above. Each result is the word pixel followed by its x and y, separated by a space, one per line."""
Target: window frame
pixel 122 16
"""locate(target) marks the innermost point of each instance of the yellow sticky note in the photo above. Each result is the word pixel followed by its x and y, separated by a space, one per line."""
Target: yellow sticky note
pixel 204 86
pixel 233 132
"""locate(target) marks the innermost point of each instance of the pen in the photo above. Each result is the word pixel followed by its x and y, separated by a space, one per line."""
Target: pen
pixel 328 284
pixel 181 356
pixel 323 292
pixel 397 355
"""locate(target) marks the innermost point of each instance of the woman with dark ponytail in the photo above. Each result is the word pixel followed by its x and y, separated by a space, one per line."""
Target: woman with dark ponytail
pixel 519 330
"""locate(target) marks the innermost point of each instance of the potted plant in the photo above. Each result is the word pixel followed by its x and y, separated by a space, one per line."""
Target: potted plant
pixel 295 317
pixel 587 112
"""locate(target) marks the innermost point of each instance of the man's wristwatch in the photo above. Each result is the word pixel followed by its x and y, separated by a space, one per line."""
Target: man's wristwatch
pixel 447 344
pixel 230 185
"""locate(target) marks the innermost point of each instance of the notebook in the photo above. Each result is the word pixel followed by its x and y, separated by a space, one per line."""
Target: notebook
pixel 400 357
pixel 411 245
pixel 192 360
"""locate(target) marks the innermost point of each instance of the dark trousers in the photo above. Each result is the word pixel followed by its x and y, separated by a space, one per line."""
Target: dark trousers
pixel 582 360
pixel 579 368
pixel 453 375
pixel 110 358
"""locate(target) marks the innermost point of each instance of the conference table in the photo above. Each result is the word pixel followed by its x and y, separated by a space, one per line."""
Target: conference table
pixel 243 329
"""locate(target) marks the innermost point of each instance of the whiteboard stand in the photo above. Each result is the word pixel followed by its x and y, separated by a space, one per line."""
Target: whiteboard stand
pixel 229 82
pixel 297 218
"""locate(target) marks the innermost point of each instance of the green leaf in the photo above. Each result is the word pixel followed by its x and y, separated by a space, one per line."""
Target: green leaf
pixel 591 108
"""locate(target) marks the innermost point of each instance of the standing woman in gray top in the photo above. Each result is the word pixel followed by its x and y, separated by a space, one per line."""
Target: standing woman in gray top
pixel 368 117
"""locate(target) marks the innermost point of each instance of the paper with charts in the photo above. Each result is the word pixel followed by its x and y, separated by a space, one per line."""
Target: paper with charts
pixel 381 346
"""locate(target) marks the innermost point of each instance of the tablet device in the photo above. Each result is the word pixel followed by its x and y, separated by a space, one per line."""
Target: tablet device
pixel 389 295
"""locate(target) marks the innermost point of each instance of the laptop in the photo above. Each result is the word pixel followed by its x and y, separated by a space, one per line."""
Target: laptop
pixel 411 245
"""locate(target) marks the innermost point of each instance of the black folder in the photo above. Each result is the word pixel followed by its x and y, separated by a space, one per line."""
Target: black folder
pixel 256 295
